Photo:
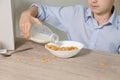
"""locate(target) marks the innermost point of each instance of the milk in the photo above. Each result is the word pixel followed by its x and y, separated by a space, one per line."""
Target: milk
pixel 43 38
pixel 42 34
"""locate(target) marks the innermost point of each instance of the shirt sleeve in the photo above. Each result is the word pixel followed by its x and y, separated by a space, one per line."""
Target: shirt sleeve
pixel 55 16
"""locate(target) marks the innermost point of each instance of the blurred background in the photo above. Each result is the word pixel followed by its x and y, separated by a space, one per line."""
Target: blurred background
pixel 21 5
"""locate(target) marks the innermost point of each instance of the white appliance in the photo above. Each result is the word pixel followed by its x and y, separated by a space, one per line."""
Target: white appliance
pixel 6 25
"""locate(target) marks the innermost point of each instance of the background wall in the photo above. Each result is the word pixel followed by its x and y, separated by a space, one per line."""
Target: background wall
pixel 21 5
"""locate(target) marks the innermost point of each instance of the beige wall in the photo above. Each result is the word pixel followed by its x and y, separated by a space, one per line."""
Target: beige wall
pixel 21 5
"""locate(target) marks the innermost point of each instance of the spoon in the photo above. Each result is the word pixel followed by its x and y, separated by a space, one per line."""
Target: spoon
pixel 15 51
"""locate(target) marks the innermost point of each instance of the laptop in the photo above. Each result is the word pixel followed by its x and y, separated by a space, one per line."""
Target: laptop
pixel 6 25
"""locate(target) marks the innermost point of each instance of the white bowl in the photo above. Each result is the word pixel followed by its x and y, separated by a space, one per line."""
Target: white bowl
pixel 65 54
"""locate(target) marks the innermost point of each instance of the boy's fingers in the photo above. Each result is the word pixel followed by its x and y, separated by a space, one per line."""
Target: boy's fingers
pixel 38 21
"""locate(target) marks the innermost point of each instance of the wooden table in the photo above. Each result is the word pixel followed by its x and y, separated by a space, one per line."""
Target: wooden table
pixel 39 64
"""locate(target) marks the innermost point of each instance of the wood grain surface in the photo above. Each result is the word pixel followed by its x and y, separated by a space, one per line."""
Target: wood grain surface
pixel 39 64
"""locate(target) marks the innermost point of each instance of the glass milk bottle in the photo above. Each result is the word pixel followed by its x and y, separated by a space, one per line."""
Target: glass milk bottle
pixel 42 34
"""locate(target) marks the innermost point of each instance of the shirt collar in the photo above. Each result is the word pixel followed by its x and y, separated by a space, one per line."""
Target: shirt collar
pixel 88 14
pixel 113 19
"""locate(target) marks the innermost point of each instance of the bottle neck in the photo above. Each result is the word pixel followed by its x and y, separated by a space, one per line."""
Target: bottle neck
pixel 54 38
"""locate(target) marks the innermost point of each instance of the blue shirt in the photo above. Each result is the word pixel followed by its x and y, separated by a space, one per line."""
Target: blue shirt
pixel 79 25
